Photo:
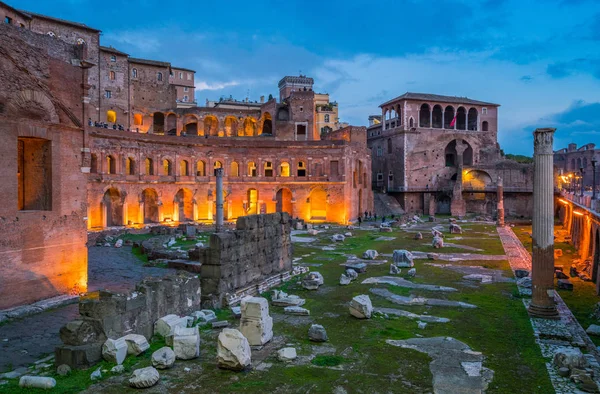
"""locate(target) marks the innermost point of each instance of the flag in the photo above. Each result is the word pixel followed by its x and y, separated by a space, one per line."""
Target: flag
pixel 453 121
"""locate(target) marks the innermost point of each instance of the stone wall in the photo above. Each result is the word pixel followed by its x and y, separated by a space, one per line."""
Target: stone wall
pixel 259 247
pixel 108 315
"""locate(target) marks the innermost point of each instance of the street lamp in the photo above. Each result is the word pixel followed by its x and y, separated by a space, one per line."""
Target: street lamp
pixel 594 161
pixel 581 170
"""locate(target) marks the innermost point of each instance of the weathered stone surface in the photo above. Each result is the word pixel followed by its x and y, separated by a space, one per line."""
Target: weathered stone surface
pixel 593 329
pixel 79 357
pixel 287 354
pixel 370 254
pixel 418 236
pixel 281 298
pixel 312 280
pixel 338 238
pixel 421 325
pixel 569 358
pixel 186 343
pixel 383 229
pixel 352 274
pixel 118 369
pixel 166 324
pixel 136 344
pixel 403 259
pixel 114 350
pixel 317 333
pixel 81 332
pixel 564 284
pixel 209 315
pixel 348 234
pixel 344 280
pixel 521 273
pixel 455 229
pixel 357 267
pixel 220 324
pixel 119 243
pixel 296 310
pixel 233 350
pixel 163 358
pixel 560 275
pixel 437 242
pixel 313 232
pixel 394 270
pixel 401 282
pixel 524 282
pixel 412 272
pixel 97 374
pixel 256 324
pixel 144 377
pixel 63 370
pixel 361 307
pixel 38 382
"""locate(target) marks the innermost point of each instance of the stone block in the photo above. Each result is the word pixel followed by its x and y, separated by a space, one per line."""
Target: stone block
pixel 144 377
pixel 317 333
pixel 81 332
pixel 565 284
pixel 233 350
pixel 79 357
pixel 255 307
pixel 257 331
pixel 163 358
pixel 186 343
pixel 403 258
pixel 136 344
pixel 166 324
pixel 114 350
pixel 361 307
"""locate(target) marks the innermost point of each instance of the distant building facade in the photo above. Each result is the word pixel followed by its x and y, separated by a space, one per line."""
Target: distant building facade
pixel 570 161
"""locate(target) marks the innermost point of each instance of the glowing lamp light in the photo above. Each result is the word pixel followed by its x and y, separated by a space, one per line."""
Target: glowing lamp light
pixel 563 201
pixel 578 213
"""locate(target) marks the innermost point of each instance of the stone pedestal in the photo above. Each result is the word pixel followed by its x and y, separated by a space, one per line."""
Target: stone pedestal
pixel 256 324
pixel 542 270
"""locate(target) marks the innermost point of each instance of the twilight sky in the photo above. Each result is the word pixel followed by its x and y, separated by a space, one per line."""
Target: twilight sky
pixel 539 59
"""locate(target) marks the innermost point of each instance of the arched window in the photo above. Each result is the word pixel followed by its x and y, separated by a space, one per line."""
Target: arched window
pixel 149 164
pixel 411 123
pixel 473 119
pixel 200 168
pixel 484 126
pixel 251 168
pixel 301 168
pixel 51 34
pixel 436 117
pixel 138 119
pixel 80 41
pixel 268 168
pixel 94 164
pixel 326 118
pixel 234 169
pixel 159 76
pixel 449 121
pixel 183 168
pixel 111 116
pixel 461 118
pixel 129 166
pixel 389 145
pixel 217 165
pixel 112 76
pixel 284 169
pixel 425 116
pixel 167 167
pixel 584 164
pixel 111 165
pixel 134 72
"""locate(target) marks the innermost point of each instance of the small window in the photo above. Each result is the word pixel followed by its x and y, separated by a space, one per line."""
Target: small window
pixel 51 34
pixel 159 76
pixel 80 41
pixel 268 168
pixel 389 146
pixel 186 89
pixel 301 168
pixel 130 166
pixel 134 73
pixel 251 169
pixel 111 165
pixel 484 111
pixel 334 168
pixel 112 75
pixel 380 176
pixel 34 174
pixel 167 167
pixel 326 118
pixel 484 125
pixel 379 151
pixel 180 75
pixel 8 20
pixel 149 164
pixel 185 99
pixel 113 58
pixel 301 109
pixel 138 119
pixel 107 94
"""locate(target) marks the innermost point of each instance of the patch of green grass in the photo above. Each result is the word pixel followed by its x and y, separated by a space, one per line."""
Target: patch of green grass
pixel 327 361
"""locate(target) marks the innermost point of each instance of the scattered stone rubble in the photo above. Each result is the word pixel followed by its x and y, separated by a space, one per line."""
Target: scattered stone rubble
pixel 361 307
pixel 403 259
pixel 280 298
pixel 317 333
pixel 144 377
pixel 312 281
pixel 233 350
pixel 256 324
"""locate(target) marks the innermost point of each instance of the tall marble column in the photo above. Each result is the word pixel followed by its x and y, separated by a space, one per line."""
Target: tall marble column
pixel 500 198
pixel 542 270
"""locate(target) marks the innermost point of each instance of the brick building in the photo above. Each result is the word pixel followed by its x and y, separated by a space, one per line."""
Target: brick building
pixel 440 154
pixel 570 161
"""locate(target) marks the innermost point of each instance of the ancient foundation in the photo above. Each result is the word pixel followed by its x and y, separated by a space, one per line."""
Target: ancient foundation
pixel 258 249
pixel 542 275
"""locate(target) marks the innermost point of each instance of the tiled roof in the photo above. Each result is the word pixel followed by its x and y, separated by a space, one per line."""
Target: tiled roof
pixel 113 50
pixel 66 22
pixel 149 62
pixel 439 98
pixel 183 69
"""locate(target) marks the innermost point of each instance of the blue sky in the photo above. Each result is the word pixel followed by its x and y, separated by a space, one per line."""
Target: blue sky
pixel 539 59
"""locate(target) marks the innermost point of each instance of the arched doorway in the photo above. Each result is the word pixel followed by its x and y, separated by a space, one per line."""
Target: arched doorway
pixel 252 198
pixel 249 127
pixel 284 200
pixel 231 126
pixel 443 205
pixel 113 202
pixel 267 124
pixel 318 204
pixel 171 124
pixel 183 198
pixel 150 200
pixel 158 122
pixel 211 125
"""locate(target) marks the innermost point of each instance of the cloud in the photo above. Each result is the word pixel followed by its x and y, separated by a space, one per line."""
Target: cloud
pixel 203 85
pixel 526 78
pixel 143 40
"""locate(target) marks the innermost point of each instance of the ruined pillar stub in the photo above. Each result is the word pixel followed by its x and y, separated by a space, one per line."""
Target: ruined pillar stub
pixel 500 198
pixel 458 207
pixel 219 221
pixel 542 270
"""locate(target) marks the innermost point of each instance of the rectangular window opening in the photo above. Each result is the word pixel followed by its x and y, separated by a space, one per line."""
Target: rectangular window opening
pixel 34 173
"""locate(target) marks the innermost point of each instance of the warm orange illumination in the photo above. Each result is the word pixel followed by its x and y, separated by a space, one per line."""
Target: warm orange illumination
pixel 563 201
pixel 578 213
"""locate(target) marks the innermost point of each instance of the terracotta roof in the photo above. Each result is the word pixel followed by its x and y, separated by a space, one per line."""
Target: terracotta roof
pixel 149 62
pixel 113 50
pixel 439 98
pixel 183 69
pixel 63 21
pixel 22 13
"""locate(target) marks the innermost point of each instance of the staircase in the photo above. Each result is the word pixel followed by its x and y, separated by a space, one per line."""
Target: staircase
pixel 386 205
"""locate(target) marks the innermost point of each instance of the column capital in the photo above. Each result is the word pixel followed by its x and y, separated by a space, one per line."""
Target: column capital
pixel 543 140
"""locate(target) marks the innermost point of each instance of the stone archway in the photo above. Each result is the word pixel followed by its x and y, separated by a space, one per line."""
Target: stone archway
pixel 113 203
pixel 185 205
pixel 150 200
pixel 284 200
pixel 318 204
pixel 443 205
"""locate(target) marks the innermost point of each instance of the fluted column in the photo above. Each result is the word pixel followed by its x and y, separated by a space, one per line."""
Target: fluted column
pixel 542 271
pixel 500 198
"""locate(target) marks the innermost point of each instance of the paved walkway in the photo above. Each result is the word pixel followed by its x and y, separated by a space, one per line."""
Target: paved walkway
pixel 551 335
pixel 26 340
